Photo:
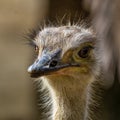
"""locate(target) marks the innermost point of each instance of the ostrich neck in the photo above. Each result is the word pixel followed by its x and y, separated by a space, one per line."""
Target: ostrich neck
pixel 69 96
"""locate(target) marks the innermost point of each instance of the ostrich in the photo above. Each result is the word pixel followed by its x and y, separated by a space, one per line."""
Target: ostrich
pixel 69 66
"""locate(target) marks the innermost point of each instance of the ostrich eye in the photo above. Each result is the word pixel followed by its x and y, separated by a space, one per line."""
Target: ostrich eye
pixel 84 52
pixel 36 49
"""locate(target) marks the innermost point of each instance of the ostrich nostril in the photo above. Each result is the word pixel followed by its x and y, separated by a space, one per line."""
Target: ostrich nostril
pixel 53 63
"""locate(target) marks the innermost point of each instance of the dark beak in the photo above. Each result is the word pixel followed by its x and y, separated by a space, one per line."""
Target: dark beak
pixel 47 64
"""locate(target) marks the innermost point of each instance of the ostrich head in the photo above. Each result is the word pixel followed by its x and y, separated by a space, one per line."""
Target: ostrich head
pixel 67 63
pixel 64 51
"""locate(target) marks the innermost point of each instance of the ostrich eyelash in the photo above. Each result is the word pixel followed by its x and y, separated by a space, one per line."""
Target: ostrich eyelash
pixel 32 43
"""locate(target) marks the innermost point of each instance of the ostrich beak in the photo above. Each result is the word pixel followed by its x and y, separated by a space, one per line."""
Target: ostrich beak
pixel 47 64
